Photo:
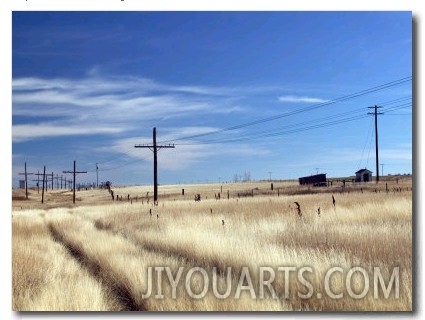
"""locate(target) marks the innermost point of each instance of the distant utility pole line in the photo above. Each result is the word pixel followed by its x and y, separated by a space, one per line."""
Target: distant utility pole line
pixel 74 172
pixel 154 148
pixel 382 167
pixel 97 175
pixel 26 180
pixel 270 176
pixel 376 138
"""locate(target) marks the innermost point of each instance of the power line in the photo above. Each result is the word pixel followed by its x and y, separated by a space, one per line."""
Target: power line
pixel 119 166
pixel 298 127
pixel 122 154
pixel 309 108
pixel 331 120
pixel 386 103
pixel 370 145
pixel 369 132
pixel 403 106
pixel 255 136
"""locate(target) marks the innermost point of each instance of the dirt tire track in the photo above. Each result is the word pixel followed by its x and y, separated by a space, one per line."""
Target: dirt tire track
pixel 120 292
pixel 162 249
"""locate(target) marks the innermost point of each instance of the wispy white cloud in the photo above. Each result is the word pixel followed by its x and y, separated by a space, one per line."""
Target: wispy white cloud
pixel 26 132
pixel 107 105
pixel 301 99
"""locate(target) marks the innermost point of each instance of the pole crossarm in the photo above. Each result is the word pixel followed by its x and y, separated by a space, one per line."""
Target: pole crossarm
pixel 76 172
pixel 151 147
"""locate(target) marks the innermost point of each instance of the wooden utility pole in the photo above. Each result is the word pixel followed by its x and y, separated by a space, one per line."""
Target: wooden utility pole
pixel 44 178
pixel 26 180
pixel 38 181
pixel 154 148
pixel 38 174
pixel 97 176
pixel 74 172
pixel 376 139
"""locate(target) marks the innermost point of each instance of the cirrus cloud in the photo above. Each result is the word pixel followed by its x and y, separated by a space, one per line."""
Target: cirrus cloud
pixel 301 99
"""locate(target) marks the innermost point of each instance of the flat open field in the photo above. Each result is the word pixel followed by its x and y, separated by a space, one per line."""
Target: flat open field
pixel 251 249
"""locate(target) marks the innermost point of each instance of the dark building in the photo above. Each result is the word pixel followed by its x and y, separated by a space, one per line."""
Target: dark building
pixel 315 180
pixel 363 175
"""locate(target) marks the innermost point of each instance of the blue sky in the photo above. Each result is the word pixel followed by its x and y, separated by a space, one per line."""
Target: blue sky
pixel 274 91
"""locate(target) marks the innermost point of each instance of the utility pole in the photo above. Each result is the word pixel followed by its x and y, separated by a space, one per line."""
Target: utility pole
pixel 270 176
pixel 382 169
pixel 376 138
pixel 26 180
pixel 154 148
pixel 45 181
pixel 38 181
pixel 74 172
pixel 38 174
pixel 52 180
pixel 97 176
pixel 317 170
pixel 44 178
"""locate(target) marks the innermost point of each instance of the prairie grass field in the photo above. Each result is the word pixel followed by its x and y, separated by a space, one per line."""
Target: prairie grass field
pixel 250 249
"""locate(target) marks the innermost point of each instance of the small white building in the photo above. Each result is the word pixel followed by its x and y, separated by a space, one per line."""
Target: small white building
pixel 364 175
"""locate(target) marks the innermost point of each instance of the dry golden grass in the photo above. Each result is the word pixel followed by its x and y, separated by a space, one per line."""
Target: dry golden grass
pixel 45 277
pixel 109 246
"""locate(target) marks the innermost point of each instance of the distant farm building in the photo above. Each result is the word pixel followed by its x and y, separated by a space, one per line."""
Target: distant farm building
pixel 363 175
pixel 315 180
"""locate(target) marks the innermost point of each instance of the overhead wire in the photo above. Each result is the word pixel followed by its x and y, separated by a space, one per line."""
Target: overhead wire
pixel 322 122
pixel 305 109
pixel 369 132
pixel 298 127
